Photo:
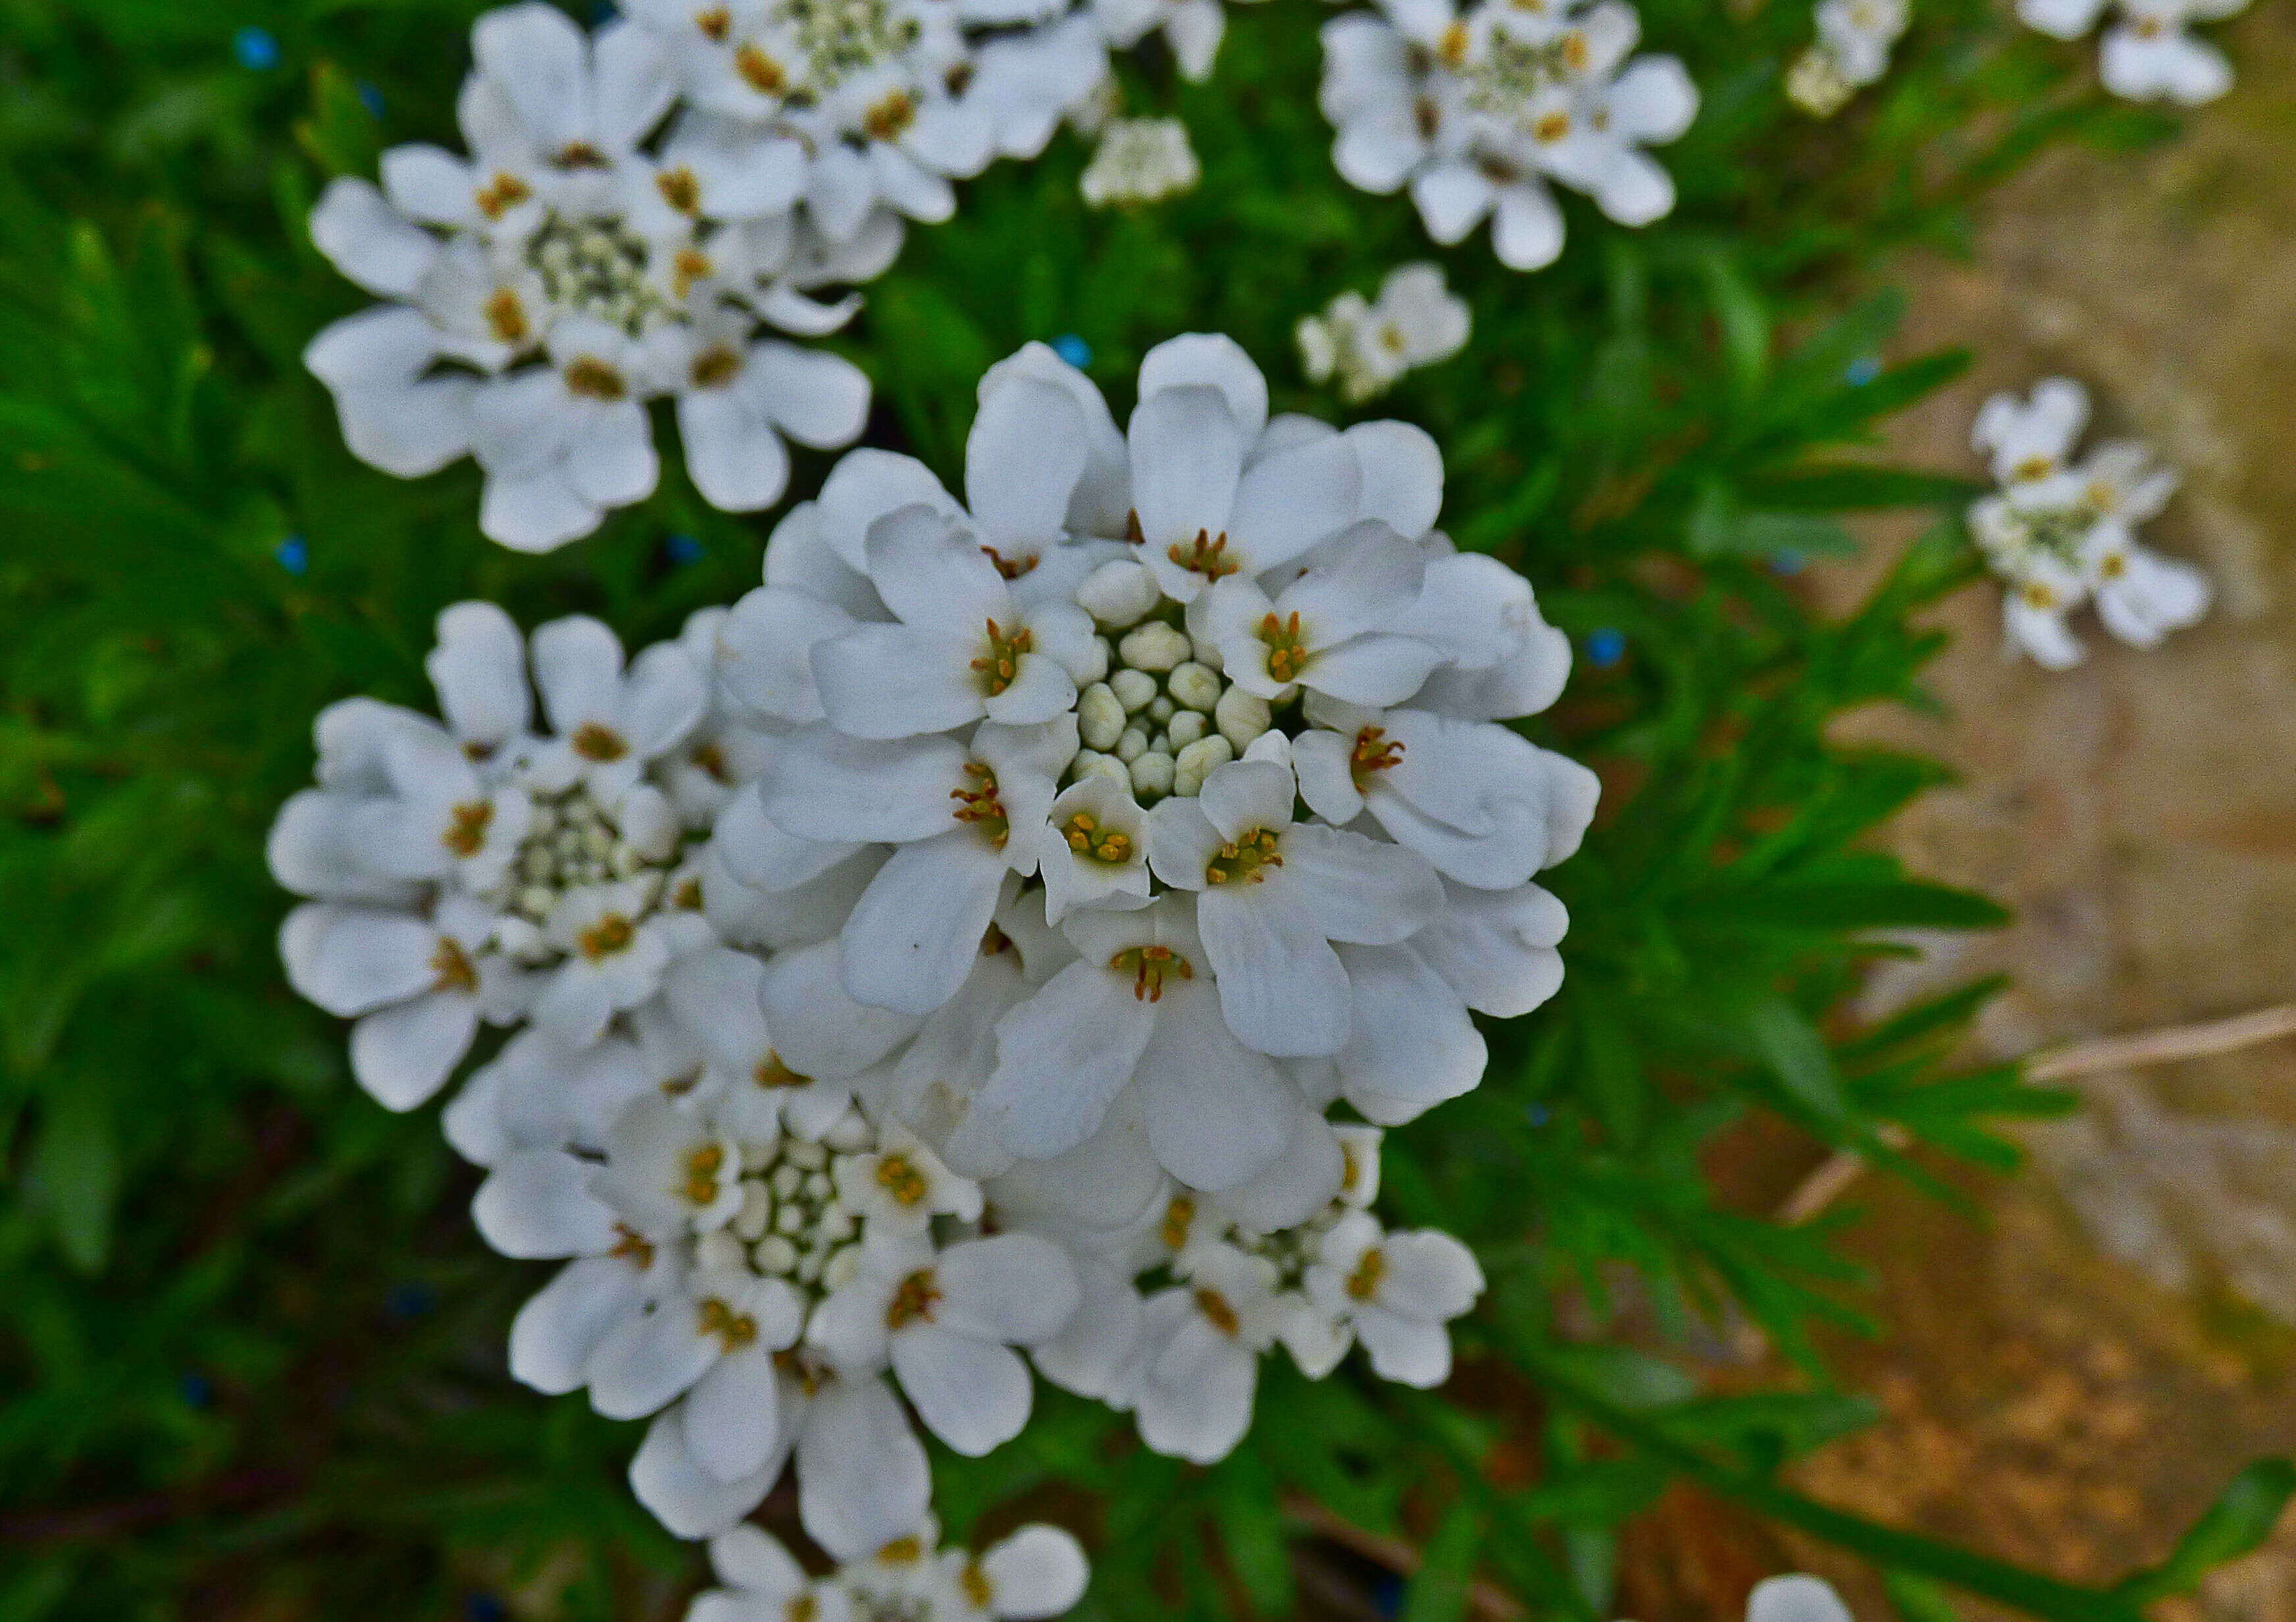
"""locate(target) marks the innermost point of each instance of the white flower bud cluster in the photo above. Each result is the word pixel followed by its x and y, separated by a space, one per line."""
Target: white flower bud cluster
pixel 898 954
pixel 1855 38
pixel 2062 532
pixel 1140 160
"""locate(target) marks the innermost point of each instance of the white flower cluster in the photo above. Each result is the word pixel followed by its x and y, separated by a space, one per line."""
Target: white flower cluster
pixel 1038 1571
pixel 1855 38
pixel 1416 321
pixel 956 946
pixel 1477 109
pixel 594 251
pixel 2149 54
pixel 1140 160
pixel 2060 532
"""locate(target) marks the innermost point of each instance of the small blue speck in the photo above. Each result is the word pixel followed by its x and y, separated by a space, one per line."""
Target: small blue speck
pixel 682 550
pixel 1073 350
pixel 293 555
pixel 371 98
pixel 1537 1115
pixel 1863 370
pixel 1786 561
pixel 196 1390
pixel 410 1301
pixel 1386 1593
pixel 485 1607
pixel 255 48
pixel 1606 648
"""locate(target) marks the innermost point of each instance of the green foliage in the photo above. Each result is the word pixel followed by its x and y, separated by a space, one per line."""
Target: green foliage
pixel 252 1350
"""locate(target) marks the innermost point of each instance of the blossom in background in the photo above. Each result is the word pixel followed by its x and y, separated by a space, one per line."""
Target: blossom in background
pixel 1854 41
pixel 1192 28
pixel 2062 532
pixel 1476 110
pixel 1140 160
pixel 1796 1598
pixel 2149 54
pixel 595 250
pixel 1038 1571
pixel 1416 321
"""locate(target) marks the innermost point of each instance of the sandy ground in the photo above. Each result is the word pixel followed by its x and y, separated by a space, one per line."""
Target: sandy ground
pixel 2070 1380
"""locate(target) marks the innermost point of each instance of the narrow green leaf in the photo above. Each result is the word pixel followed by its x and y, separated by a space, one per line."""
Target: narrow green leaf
pixel 2240 1519
pixel 1438 1592
pixel 1917 1599
pixel 77 1169
pixel 1793 1048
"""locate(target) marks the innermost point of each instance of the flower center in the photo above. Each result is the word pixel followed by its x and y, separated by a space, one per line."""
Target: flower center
pixel 1179 1217
pixel 980 806
pixel 1148 966
pixel 503 193
pixel 453 967
pixel 733 1330
pixel 1372 755
pixel 1222 1317
pixel 1001 662
pixel 913 1299
pixel 610 934
pixel 597 742
pixel 597 267
pixel 701 1170
pixel 1363 1282
pixel 2034 467
pixel 1087 838
pixel 978 1591
pixel 594 379
pixel 716 366
pixel 1512 73
pixel 838 39
pixel 507 316
pixel 466 827
pixel 1204 555
pixel 901 1179
pixel 679 189
pixel 1254 849
pixel 633 1246
pixel 888 119
pixel 1285 657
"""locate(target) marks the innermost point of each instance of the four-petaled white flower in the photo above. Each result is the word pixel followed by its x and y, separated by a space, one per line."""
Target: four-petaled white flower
pixel 1038 1571
pixel 1475 110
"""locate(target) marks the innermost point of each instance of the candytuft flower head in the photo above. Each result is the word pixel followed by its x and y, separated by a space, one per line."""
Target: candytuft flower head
pixel 1367 344
pixel 1038 1571
pixel 2149 54
pixel 2060 532
pixel 1140 160
pixel 595 250
pixel 1476 109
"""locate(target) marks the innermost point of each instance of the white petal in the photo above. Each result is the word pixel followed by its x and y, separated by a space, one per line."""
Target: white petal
pixel 973 1395
pixel 1357 889
pixel 560 1326
pixel 1014 1288
pixel 1652 101
pixel 735 459
pixel 1023 460
pixel 1451 198
pixel 1297 1185
pixel 403 1055
pixel 1403 1349
pixel 538 1203
pixel 1217 1113
pixel 1198 359
pixel 1377 151
pixel 820 784
pixel 1281 988
pixel 1795 1599
pixel 733 1420
pixel 1529 232
pixel 353 960
pixel 535 512
pixel 816 399
pixel 1203 1418
pixel 890 680
pixel 818 1030
pixel 1429 1275
pixel 643 1363
pixel 1290 500
pixel 918 928
pixel 370 241
pixel 1187 455
pixel 862 1476
pixel 1063 1057
pixel 749 1557
pixel 681 1495
pixel 1410 1043
pixel 1038 1571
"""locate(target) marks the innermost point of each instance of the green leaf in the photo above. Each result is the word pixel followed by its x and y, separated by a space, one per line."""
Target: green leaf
pixel 1917 1599
pixel 1790 1046
pixel 77 1168
pixel 2240 1519
pixel 1447 1574
pixel 1823 907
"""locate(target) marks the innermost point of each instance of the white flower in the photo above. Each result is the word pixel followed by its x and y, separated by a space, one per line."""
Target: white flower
pixel 1198 1358
pixel 1394 1292
pixel 1038 1571
pixel 1142 161
pixel 2148 55
pixel 1795 1599
pixel 1273 895
pixel 1416 321
pixel 2060 532
pixel 1193 29
pixel 1475 110
pixel 580 275
pixel 1854 41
